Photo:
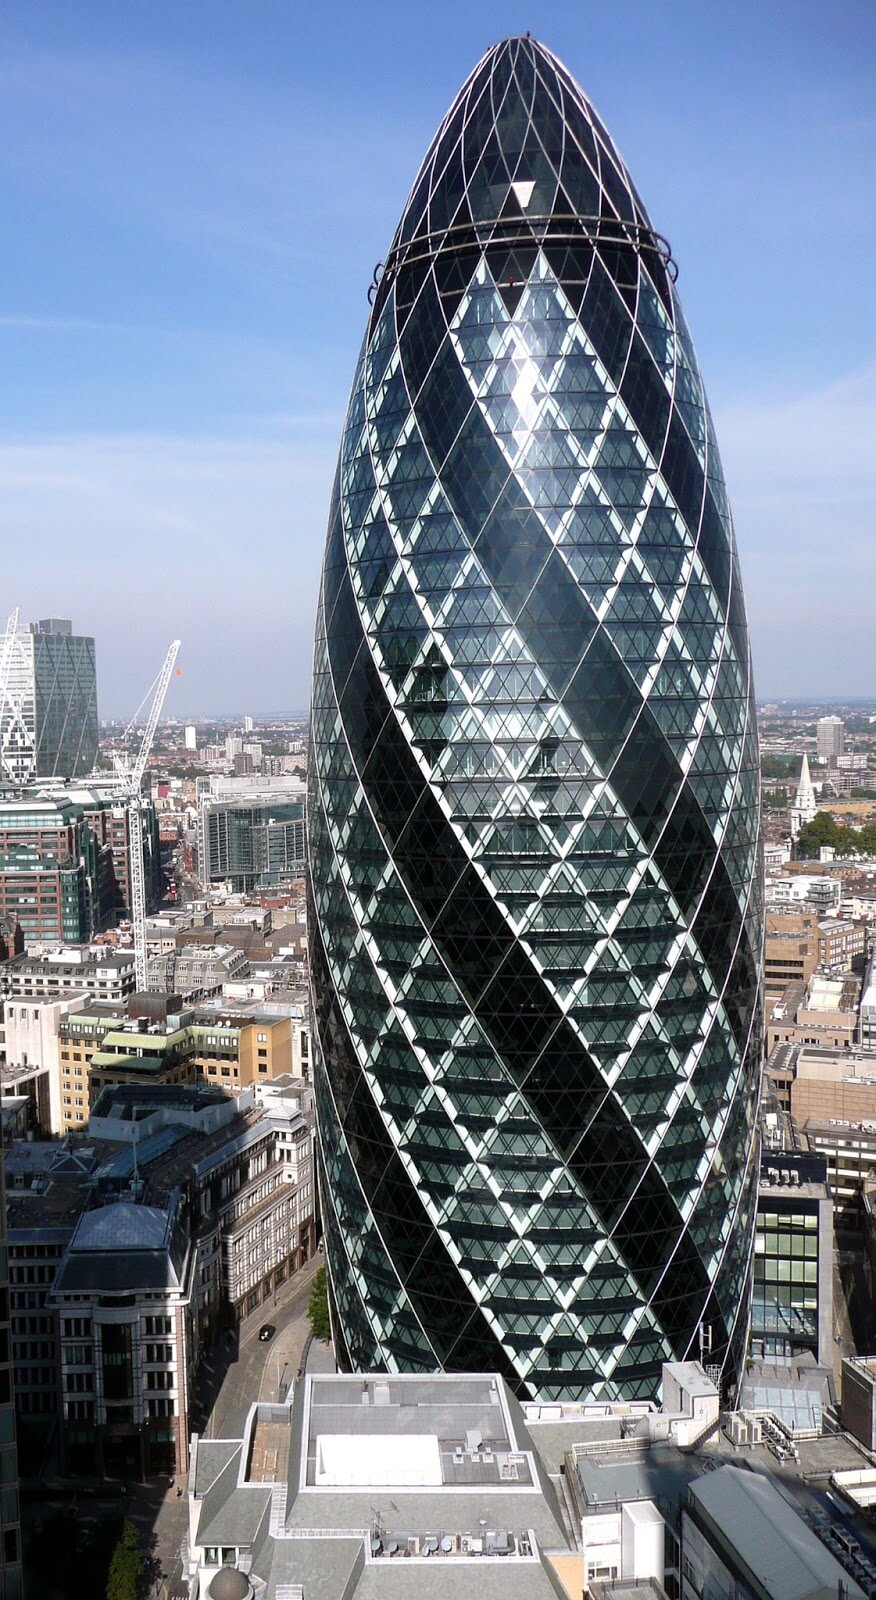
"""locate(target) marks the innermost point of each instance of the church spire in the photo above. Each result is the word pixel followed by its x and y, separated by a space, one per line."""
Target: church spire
pixel 804 808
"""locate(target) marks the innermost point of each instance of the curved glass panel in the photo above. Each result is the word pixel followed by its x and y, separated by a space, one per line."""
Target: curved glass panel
pixel 535 904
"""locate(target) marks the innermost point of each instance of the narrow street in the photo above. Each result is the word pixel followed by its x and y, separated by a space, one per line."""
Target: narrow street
pixel 256 1370
pixel 230 1378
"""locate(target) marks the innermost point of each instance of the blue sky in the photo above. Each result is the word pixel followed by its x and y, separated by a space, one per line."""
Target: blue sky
pixel 194 197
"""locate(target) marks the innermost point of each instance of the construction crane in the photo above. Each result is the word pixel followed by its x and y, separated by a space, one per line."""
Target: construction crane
pixel 130 779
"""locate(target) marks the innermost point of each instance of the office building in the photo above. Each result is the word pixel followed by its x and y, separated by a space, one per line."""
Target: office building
pixel 535 872
pixel 830 739
pixel 331 1494
pixel 120 1298
pixel 26 1101
pixel 799 891
pixel 843 943
pixel 443 1485
pixel 39 993
pixel 833 1082
pixel 48 718
pixel 867 1014
pixel 87 969
pixel 191 737
pixel 111 819
pixel 790 950
pixel 180 1215
pixel 196 971
pixel 859 1399
pixel 65 862
pixel 831 1097
pixel 251 833
pixel 823 1011
pixel 158 1039
pixel 49 870
pixel 792 1296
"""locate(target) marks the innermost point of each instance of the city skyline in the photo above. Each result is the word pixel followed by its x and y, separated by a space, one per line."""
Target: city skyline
pixel 203 193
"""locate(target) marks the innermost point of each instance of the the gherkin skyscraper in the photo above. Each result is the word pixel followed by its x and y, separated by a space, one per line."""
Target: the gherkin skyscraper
pixel 535 906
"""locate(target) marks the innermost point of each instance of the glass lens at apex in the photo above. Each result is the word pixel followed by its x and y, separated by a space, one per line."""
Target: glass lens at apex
pixel 535 882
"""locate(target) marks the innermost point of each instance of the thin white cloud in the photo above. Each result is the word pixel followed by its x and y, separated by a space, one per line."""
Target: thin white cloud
pixel 142 537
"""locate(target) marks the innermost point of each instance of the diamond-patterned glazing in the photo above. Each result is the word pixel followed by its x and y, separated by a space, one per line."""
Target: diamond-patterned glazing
pixel 535 905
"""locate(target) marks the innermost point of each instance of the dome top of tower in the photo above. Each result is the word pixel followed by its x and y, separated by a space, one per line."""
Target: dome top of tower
pixel 521 154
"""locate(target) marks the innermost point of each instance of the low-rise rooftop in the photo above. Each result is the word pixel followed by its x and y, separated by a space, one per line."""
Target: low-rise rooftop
pixel 781 1557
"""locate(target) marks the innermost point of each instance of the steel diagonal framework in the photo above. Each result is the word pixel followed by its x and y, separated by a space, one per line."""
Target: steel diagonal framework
pixel 535 883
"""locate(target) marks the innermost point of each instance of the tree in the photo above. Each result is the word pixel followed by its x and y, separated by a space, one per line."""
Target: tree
pixel 317 1307
pixel 779 766
pixel 126 1566
pixel 824 829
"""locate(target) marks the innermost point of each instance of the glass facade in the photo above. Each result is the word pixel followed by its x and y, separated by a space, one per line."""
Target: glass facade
pixel 65 688
pixel 792 1294
pixel 535 899
pixel 784 1317
pixel 253 846
pixel 48 722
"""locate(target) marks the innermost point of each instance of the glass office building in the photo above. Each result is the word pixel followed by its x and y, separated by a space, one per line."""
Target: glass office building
pixel 253 839
pixel 535 899
pixel 792 1291
pixel 48 713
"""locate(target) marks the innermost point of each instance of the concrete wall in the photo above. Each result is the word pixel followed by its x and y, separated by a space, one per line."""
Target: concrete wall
pixel 32 1040
pixel 859 1402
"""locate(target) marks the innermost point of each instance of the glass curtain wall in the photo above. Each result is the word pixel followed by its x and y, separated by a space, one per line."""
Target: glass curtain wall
pixel 535 897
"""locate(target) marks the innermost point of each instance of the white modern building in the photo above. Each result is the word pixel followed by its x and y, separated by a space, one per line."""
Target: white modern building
pixel 830 738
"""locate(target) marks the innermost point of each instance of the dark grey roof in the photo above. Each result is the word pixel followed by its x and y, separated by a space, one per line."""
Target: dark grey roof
pixel 232 1515
pixel 662 1473
pixel 213 1456
pixel 229 1584
pixel 785 1559
pixel 117 1272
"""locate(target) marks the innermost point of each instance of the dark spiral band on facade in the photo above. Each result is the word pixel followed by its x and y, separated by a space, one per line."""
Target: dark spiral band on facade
pixel 534 884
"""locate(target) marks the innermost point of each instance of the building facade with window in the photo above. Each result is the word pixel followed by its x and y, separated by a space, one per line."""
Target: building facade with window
pixel 121 1298
pixel 181 1215
pixel 792 1296
pixel 65 871
pixel 251 833
pixel 99 1045
pixel 535 871
pixel 48 723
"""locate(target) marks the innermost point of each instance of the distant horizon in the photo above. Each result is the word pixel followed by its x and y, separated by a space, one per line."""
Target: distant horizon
pixel 300 714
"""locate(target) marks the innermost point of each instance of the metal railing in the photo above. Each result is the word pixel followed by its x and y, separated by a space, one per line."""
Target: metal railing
pixel 507 232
